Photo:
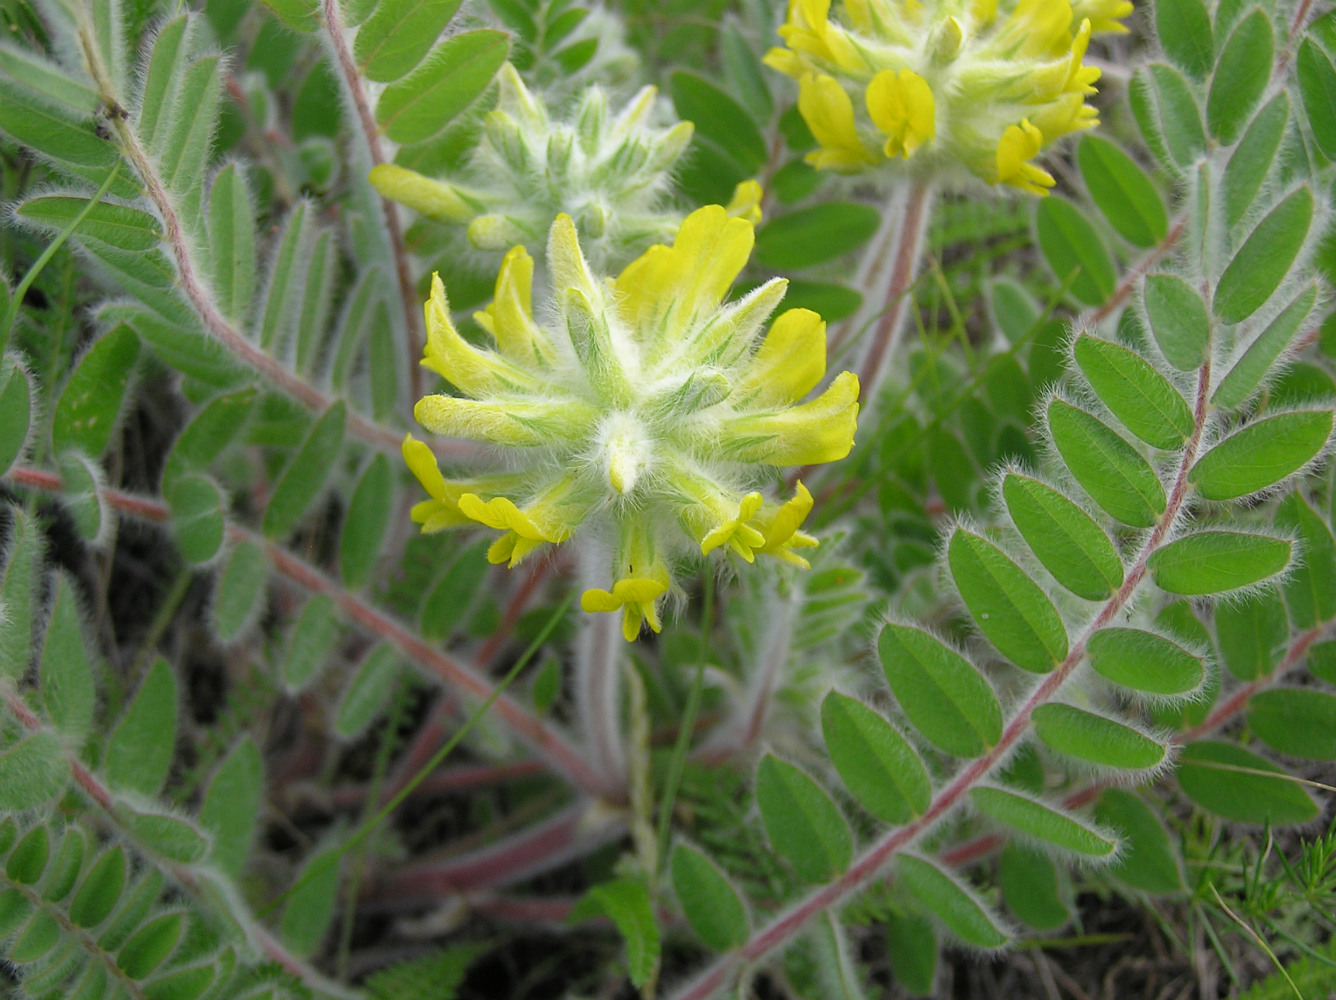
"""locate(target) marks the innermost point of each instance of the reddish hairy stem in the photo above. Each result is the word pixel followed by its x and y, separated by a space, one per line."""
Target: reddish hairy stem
pixel 871 862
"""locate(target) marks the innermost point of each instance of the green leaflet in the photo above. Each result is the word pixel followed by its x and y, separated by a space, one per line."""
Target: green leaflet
pixel 61 134
pixel 1232 782
pixel 369 691
pixel 159 833
pixel 711 905
pixel 948 701
pixel 149 947
pixel 1144 661
pixel 1009 607
pixel 804 826
pixel 205 437
pixel 239 593
pixel 15 411
pixel 81 483
pixel 232 244
pixel 32 771
pixel 90 404
pixel 286 280
pixel 421 104
pixel 956 906
pixel 100 890
pixel 876 763
pixel 816 234
pixel 1254 156
pixel 1310 589
pixel 720 119
pixel 312 641
pixel 166 66
pixel 1122 191
pixel 199 519
pixel 231 806
pixel 66 673
pixel 398 34
pixel 367 521
pixel 1184 30
pixel 1168 116
pixel 1178 319
pixel 1317 85
pixel 1032 888
pixel 1144 400
pixel 1241 76
pixel 310 906
pixel 119 227
pixel 1297 721
pixel 912 946
pixel 48 79
pixel 1095 738
pixel 306 474
pixel 1064 538
pixel 1147 860
pixel 1107 467
pixel 27 861
pixel 1072 246
pixel 1041 821
pixel 627 904
pixel 64 869
pixel 135 906
pixel 1252 366
pixel 139 753
pixel 313 314
pixel 1262 454
pixel 17 590
pixel 447 604
pixel 1261 263
pixel 1215 562
pixel 1252 634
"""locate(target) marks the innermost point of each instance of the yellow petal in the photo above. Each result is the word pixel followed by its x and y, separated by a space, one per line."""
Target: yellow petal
pixel 1018 144
pixel 510 316
pixel 902 106
pixel 422 463
pixel 473 371
pixel 819 431
pixel 746 202
pixel 829 113
pixel 790 362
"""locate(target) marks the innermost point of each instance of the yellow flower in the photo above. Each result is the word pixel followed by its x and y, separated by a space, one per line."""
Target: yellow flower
pixel 1019 143
pixel 635 411
pixel 829 113
pixel 902 106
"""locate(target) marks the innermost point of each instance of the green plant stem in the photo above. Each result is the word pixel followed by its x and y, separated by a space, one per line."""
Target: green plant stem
pixel 16 298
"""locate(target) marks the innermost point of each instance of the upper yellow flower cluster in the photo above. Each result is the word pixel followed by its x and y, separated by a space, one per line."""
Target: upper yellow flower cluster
pixel 639 414
pixel 982 85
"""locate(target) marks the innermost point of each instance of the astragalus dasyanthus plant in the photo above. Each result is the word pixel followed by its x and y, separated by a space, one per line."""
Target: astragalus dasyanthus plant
pixel 515 499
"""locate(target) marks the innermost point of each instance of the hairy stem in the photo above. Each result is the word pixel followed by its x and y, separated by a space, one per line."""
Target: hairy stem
pixel 873 861
pixel 598 687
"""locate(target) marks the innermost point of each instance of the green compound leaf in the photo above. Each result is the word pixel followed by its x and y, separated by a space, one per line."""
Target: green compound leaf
pixel 1041 821
pixel 232 244
pixel 15 412
pixel 167 836
pixel 32 771
pixel 100 890
pixel 1006 604
pixel 912 946
pixel 312 641
pixel 310 907
pixel 151 945
pixel 719 118
pixel 1168 116
pixel 814 235
pixel 17 590
pixel 627 904
pixel 1232 782
pixel 1146 860
pixel 1260 265
pixel 141 898
pixel 240 591
pixel 1178 319
pixel 453 77
pixel 68 693
pixel 1107 467
pixel 1071 245
pixel 1297 721
pixel 1310 589
pixel 874 761
pixel 1257 359
pixel 1095 738
pixel 711 905
pixel 139 753
pixel 306 474
pixel 1184 30
pixel 1252 634
pixel 1254 156
pixel 1262 454
pixel 957 907
pixel 946 699
pixel 398 34
pixel 1032 888
pixel 1064 538
pixel 1317 85
pixel 1241 76
pixel 1215 562
pixel 1122 191
pixel 63 135
pixel 367 521
pixel 369 691
pixel 231 806
pixel 1144 400
pixel 804 826
pixel 205 437
pixel 199 519
pixel 1144 661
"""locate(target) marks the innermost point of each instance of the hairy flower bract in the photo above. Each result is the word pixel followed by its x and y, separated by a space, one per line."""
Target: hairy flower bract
pixel 640 413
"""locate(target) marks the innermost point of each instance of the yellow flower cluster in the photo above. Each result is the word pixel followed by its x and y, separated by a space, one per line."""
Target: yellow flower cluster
pixel 949 87
pixel 638 414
